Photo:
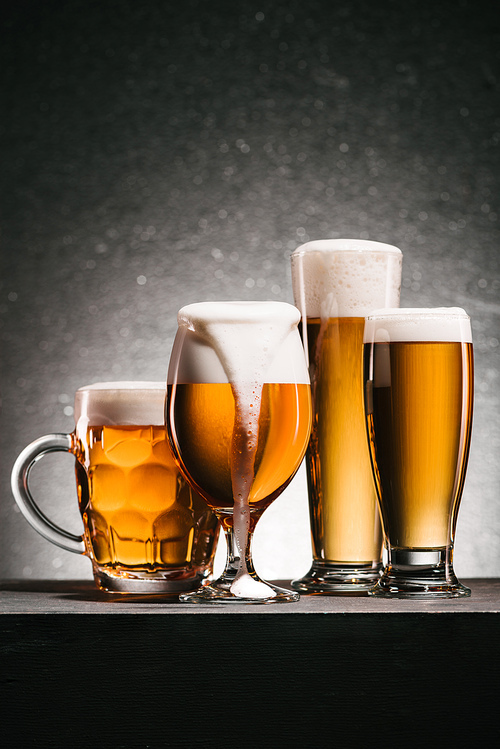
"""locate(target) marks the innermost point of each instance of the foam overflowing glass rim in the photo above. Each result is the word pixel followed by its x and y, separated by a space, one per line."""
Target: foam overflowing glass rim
pixel 236 312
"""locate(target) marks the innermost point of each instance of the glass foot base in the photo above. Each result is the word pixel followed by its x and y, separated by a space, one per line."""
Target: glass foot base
pixel 246 589
pixel 419 574
pixel 140 583
pixel 346 579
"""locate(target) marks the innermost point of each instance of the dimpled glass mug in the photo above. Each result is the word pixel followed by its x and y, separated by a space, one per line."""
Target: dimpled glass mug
pixel 145 529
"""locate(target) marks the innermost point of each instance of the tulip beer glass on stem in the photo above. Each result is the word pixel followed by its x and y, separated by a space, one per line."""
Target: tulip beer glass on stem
pixel 239 418
pixel 418 371
pixel 335 284
pixel 145 529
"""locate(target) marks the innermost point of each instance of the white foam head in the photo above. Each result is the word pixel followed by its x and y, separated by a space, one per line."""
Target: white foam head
pixel 121 404
pixel 345 277
pixel 238 342
pixel 418 324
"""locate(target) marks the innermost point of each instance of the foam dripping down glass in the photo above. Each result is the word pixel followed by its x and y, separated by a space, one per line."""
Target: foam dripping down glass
pixel 238 415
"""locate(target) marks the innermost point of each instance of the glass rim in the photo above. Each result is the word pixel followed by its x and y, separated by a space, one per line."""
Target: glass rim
pixel 356 246
pixel 123 386
pixel 398 313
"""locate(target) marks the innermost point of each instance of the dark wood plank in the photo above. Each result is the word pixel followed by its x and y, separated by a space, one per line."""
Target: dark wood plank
pixel 327 672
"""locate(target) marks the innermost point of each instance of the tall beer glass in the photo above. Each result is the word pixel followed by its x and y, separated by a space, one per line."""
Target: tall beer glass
pixel 335 284
pixel 418 370
pixel 145 529
pixel 239 419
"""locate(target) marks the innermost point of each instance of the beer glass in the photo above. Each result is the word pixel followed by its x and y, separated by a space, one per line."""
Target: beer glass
pixel 239 418
pixel 336 282
pixel 418 371
pixel 145 529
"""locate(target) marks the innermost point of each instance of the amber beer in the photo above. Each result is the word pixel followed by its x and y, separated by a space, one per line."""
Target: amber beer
pixel 145 529
pixel 419 396
pixel 138 509
pixel 421 448
pixel 346 530
pixel 201 409
pixel 336 282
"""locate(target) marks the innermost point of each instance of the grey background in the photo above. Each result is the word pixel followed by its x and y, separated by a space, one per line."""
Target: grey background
pixel 155 154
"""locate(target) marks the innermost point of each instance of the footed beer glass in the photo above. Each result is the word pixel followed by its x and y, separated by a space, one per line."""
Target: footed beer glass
pixel 418 366
pixel 336 282
pixel 239 418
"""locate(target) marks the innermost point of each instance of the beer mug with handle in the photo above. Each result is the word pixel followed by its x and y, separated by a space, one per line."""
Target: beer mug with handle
pixel 145 529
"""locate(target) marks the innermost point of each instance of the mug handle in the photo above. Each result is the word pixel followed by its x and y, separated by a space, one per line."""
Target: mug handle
pixel 20 489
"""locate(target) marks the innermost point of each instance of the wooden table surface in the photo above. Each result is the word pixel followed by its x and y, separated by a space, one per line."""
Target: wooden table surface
pixel 83 668
pixel 82 597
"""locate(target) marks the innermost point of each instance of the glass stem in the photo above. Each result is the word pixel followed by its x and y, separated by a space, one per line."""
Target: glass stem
pixel 234 563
